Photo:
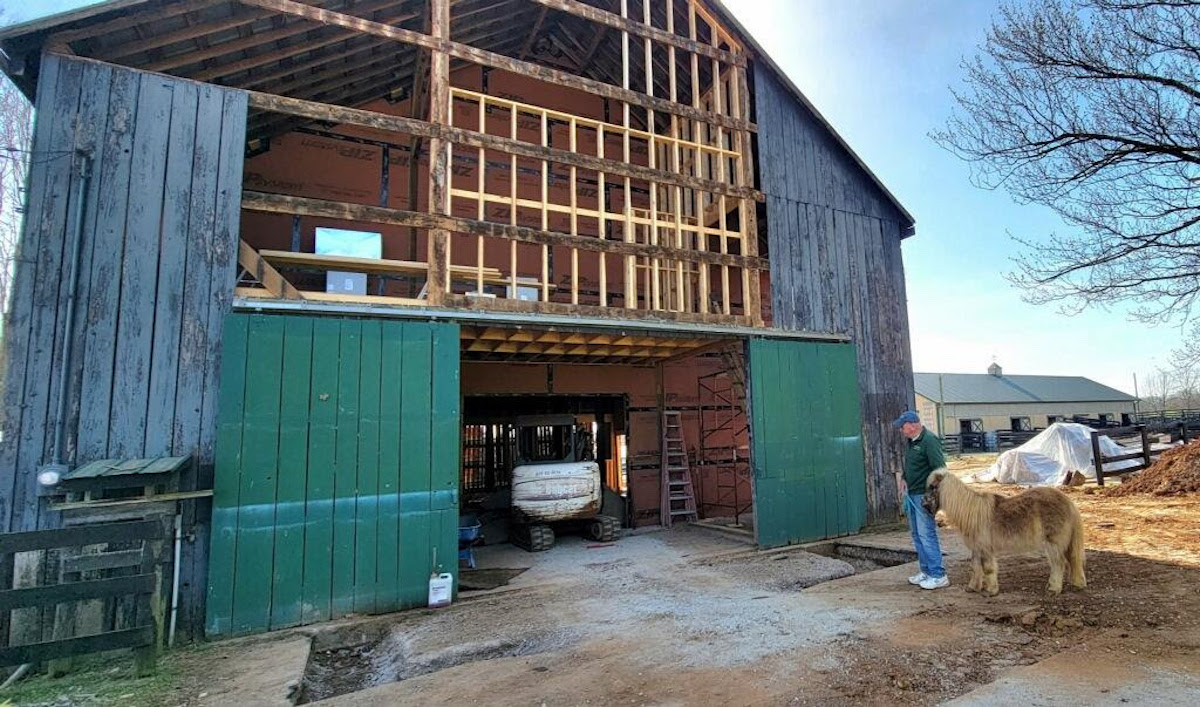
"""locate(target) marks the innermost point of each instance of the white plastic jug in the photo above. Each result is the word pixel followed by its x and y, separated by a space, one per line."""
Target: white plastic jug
pixel 440 586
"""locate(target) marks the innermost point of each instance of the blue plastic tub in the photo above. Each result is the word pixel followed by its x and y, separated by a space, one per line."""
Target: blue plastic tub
pixel 469 530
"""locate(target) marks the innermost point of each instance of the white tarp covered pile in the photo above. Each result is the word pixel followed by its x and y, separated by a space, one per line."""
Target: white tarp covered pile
pixel 1049 458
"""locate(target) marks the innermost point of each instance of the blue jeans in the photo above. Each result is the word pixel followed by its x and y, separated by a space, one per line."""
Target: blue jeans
pixel 924 536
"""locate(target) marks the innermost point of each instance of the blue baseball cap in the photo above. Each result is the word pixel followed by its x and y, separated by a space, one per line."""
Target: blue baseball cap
pixel 908 416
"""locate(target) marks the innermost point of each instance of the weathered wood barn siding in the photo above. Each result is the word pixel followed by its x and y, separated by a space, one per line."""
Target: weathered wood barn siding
pixel 155 281
pixel 834 240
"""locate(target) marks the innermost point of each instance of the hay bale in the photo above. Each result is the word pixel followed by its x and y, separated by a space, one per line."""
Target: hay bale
pixel 1175 473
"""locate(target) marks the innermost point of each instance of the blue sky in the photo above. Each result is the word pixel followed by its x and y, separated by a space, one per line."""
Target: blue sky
pixel 880 71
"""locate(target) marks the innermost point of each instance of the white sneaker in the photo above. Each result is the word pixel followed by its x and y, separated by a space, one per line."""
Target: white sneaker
pixel 918 578
pixel 938 583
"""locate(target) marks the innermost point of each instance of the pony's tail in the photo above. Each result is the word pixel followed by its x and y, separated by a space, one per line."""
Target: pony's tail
pixel 1075 551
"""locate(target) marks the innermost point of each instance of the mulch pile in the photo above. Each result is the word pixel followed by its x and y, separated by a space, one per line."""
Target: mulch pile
pixel 1175 473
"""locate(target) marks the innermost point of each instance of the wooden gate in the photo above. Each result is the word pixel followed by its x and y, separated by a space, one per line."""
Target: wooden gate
pixel 806 441
pixel 336 483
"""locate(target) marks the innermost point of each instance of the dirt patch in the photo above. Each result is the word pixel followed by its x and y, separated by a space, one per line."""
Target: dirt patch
pixel 394 658
pixel 484 579
pixel 1163 528
pixel 1176 472
pixel 785 571
pixel 953 648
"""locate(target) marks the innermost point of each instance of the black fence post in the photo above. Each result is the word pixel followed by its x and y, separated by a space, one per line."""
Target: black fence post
pixel 1097 459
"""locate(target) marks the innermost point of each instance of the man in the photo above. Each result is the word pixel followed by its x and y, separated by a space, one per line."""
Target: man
pixel 921 457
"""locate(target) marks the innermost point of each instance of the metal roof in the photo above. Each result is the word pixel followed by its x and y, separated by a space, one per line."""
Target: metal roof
pixel 232 44
pixel 985 388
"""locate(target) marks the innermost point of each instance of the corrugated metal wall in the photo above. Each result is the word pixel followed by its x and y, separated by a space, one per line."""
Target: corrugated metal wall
pixel 337 469
pixel 156 271
pixel 834 248
pixel 807 453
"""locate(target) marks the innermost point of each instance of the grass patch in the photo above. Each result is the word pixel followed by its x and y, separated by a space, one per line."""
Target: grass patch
pixel 98 681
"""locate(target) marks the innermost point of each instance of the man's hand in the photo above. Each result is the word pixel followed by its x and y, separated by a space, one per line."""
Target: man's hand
pixel 903 486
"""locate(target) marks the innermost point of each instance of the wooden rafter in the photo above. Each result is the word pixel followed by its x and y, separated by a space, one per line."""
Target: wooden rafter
pixel 189 32
pixel 497 61
pixel 641 29
pixel 527 46
pixel 264 273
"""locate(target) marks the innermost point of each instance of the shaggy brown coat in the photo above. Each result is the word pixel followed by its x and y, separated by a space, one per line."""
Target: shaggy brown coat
pixel 1039 519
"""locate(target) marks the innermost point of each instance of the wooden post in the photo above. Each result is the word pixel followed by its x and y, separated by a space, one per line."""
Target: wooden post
pixel 602 208
pixel 748 220
pixel 631 297
pixel 1145 444
pixel 481 204
pixel 1097 459
pixel 439 154
pixel 149 607
pixel 698 160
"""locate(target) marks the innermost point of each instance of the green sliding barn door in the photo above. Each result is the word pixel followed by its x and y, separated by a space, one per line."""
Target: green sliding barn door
pixel 806 432
pixel 336 479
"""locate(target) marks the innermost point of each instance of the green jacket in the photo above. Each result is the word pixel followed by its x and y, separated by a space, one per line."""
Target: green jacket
pixel 922 456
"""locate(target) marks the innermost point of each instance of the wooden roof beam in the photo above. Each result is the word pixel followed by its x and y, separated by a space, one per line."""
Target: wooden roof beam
pixel 641 29
pixel 533 31
pixel 499 61
pixel 127 21
pixel 184 34
pixel 270 57
pixel 251 41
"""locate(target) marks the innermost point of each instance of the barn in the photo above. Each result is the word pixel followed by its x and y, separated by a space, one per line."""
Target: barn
pixel 334 252
pixel 971 405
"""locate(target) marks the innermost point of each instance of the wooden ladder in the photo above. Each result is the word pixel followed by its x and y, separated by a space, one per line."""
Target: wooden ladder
pixel 678 496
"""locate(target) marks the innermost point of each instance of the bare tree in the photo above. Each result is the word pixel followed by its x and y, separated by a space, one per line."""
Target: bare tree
pixel 1156 391
pixel 1092 107
pixel 16 137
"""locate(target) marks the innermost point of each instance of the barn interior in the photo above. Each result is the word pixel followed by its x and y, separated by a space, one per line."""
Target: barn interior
pixel 573 159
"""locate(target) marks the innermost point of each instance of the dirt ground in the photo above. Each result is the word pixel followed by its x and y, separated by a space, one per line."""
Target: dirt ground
pixel 687 617
pixel 1165 528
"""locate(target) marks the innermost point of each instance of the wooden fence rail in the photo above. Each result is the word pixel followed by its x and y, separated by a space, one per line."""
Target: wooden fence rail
pixel 1146 454
pixel 144 636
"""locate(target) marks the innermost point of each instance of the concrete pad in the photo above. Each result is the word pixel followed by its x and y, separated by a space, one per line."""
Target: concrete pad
pixel 258 670
pixel 1102 672
pixel 952 545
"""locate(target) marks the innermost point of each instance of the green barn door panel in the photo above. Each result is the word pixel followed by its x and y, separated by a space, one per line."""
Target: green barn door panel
pixel 806 438
pixel 337 472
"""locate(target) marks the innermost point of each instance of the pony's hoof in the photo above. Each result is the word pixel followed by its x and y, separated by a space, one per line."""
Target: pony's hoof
pixel 1053 592
pixel 991 592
